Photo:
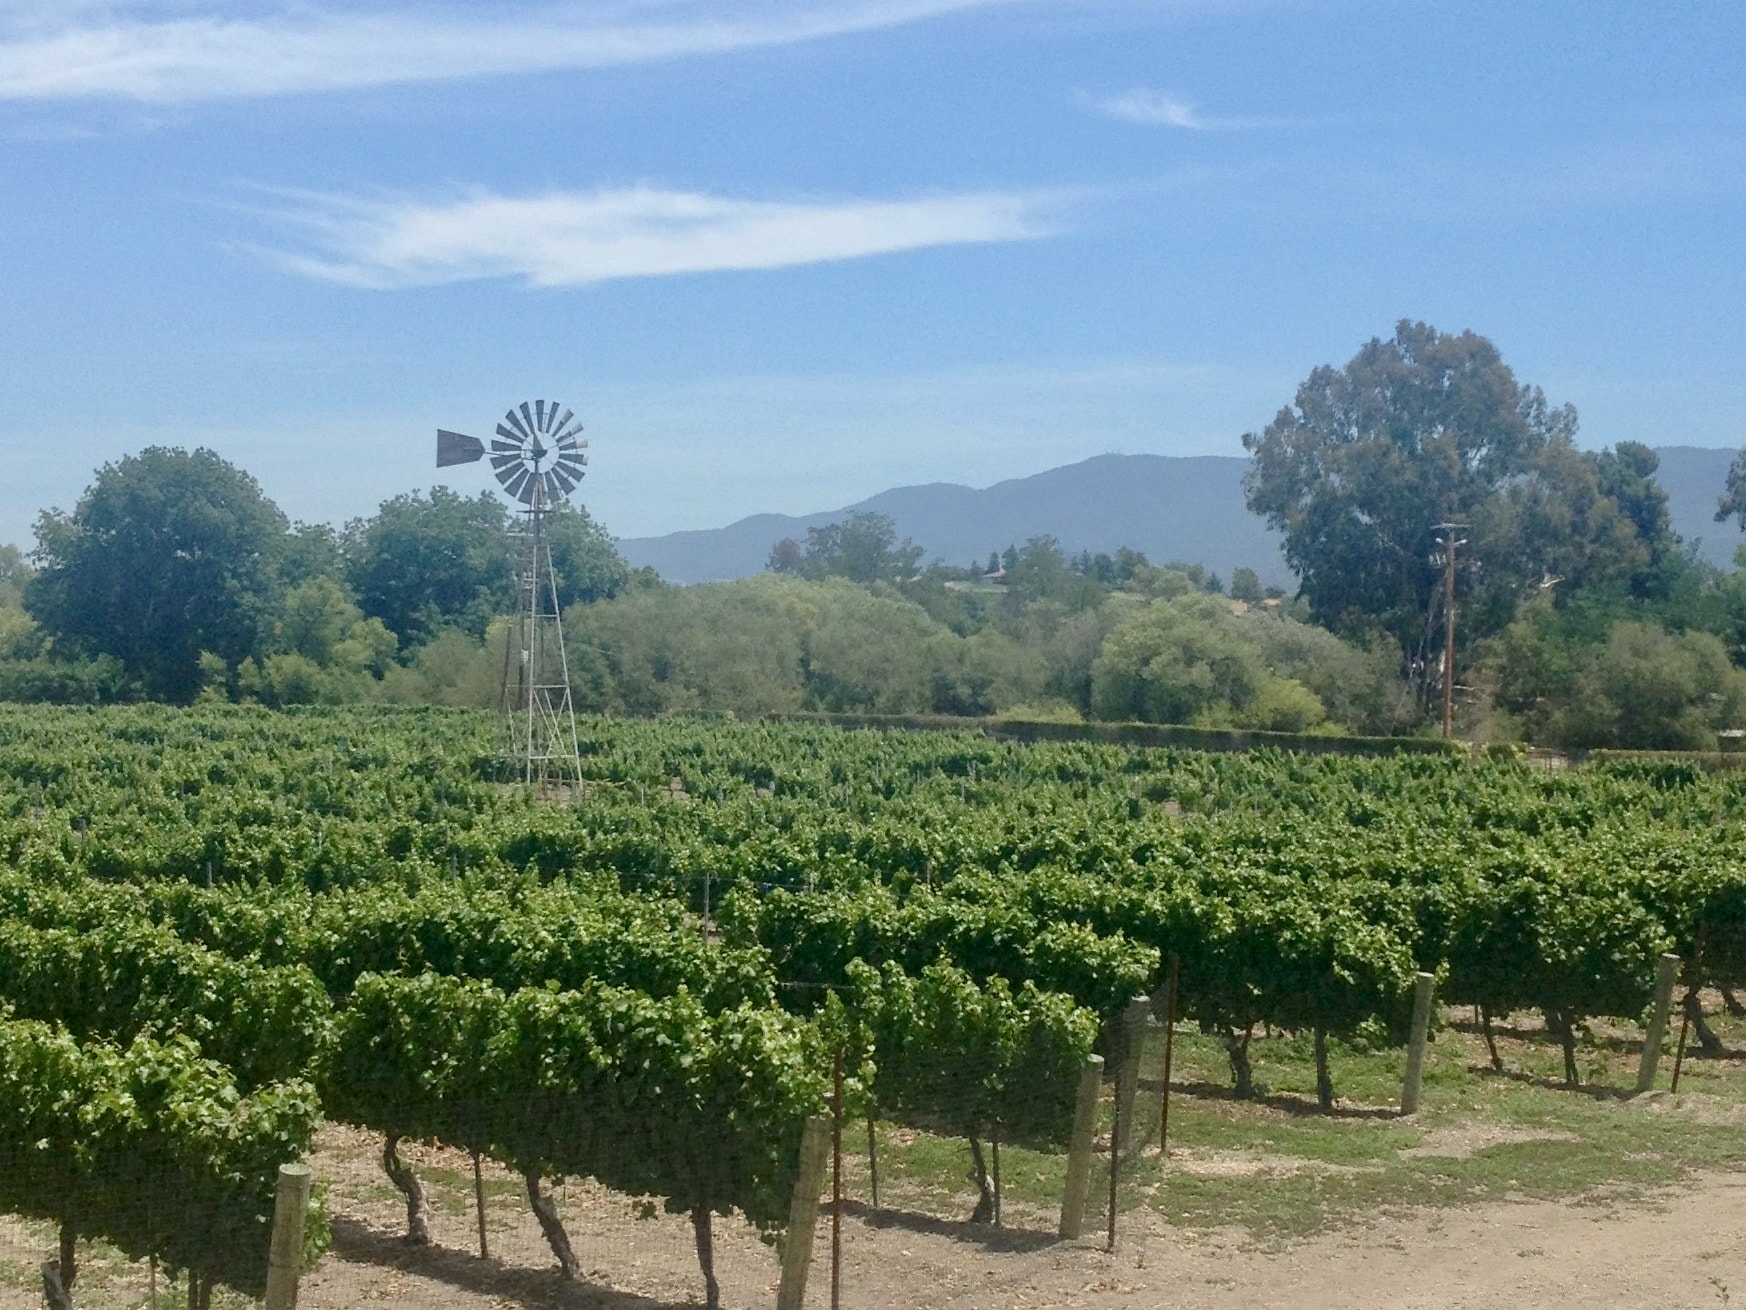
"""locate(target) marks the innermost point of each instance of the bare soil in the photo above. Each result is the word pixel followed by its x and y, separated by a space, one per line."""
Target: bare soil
pixel 1684 1247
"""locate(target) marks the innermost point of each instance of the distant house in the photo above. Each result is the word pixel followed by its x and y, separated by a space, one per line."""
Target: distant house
pixel 999 575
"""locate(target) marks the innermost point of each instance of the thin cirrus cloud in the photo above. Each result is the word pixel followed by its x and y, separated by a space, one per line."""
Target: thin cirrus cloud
pixel 1160 109
pixel 569 239
pixel 186 51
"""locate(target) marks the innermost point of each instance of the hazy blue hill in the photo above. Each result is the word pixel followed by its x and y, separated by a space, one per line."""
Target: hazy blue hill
pixel 1172 508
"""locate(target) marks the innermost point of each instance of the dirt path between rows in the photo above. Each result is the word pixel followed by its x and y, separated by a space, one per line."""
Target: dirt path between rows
pixel 1683 1248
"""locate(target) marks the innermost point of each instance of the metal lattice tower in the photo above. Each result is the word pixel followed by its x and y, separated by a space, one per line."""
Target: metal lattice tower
pixel 538 456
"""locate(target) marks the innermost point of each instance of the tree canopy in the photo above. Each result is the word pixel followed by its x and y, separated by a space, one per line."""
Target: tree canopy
pixel 1429 428
pixel 1732 504
pixel 862 548
pixel 424 563
pixel 585 559
pixel 167 555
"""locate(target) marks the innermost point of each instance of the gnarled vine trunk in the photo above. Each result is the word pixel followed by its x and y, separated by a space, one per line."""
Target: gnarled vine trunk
pixel 984 1211
pixel 1707 1040
pixel 1237 1048
pixel 705 1234
pixel 402 1176
pixel 1731 1003
pixel 69 1268
pixel 552 1226
pixel 1490 1038
pixel 1324 1081
pixel 1563 1027
pixel 54 1292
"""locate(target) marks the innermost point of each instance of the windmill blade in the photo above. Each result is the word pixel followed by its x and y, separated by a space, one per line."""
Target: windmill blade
pixel 565 479
pixel 573 468
pixel 509 440
pixel 539 416
pixel 514 480
pixel 559 425
pixel 501 462
pixel 457 448
pixel 527 494
pixel 527 413
pixel 569 441
pixel 516 423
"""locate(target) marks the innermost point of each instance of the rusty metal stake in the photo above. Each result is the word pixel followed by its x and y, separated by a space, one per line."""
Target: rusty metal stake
pixel 479 1205
pixel 837 1184
pixel 994 1144
pixel 1115 1147
pixel 1169 1044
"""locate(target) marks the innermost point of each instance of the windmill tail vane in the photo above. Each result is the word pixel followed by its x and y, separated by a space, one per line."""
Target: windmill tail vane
pixel 457 448
pixel 537 454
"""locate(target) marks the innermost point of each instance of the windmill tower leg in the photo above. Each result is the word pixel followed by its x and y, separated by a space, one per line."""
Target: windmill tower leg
pixel 540 709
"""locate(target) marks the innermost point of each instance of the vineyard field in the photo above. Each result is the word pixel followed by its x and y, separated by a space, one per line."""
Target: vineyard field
pixel 348 913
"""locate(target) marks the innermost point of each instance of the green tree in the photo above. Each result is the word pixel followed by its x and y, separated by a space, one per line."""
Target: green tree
pixel 1579 680
pixel 167 555
pixel 328 651
pixel 425 563
pixel 1359 686
pixel 15 575
pixel 1040 572
pixel 1189 661
pixel 312 551
pixel 1246 586
pixel 862 548
pixel 1426 428
pixel 1732 504
pixel 584 558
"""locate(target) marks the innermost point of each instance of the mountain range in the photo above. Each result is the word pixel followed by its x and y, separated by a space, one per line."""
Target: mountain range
pixel 1186 508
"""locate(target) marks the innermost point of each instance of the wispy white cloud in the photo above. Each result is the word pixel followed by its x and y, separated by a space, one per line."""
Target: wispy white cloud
pixel 575 238
pixel 1161 109
pixel 182 51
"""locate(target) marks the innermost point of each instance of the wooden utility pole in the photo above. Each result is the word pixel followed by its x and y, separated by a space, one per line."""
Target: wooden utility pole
pixel 1449 544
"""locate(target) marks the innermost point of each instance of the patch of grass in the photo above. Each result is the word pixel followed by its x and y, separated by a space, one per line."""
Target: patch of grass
pixel 1280 1167
pixel 450 1191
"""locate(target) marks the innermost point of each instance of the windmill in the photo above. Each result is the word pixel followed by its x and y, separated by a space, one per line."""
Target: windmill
pixel 538 456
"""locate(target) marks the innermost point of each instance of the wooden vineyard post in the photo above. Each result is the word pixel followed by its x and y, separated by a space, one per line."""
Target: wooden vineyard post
pixel 1424 985
pixel 1169 1051
pixel 1128 1077
pixel 873 1157
pixel 285 1257
pixel 1666 973
pixel 1074 1195
pixel 815 1150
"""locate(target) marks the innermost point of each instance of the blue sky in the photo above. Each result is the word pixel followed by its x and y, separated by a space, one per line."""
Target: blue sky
pixel 782 254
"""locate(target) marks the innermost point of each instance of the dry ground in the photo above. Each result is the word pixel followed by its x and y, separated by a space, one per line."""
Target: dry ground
pixel 1507 1191
pixel 1684 1248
